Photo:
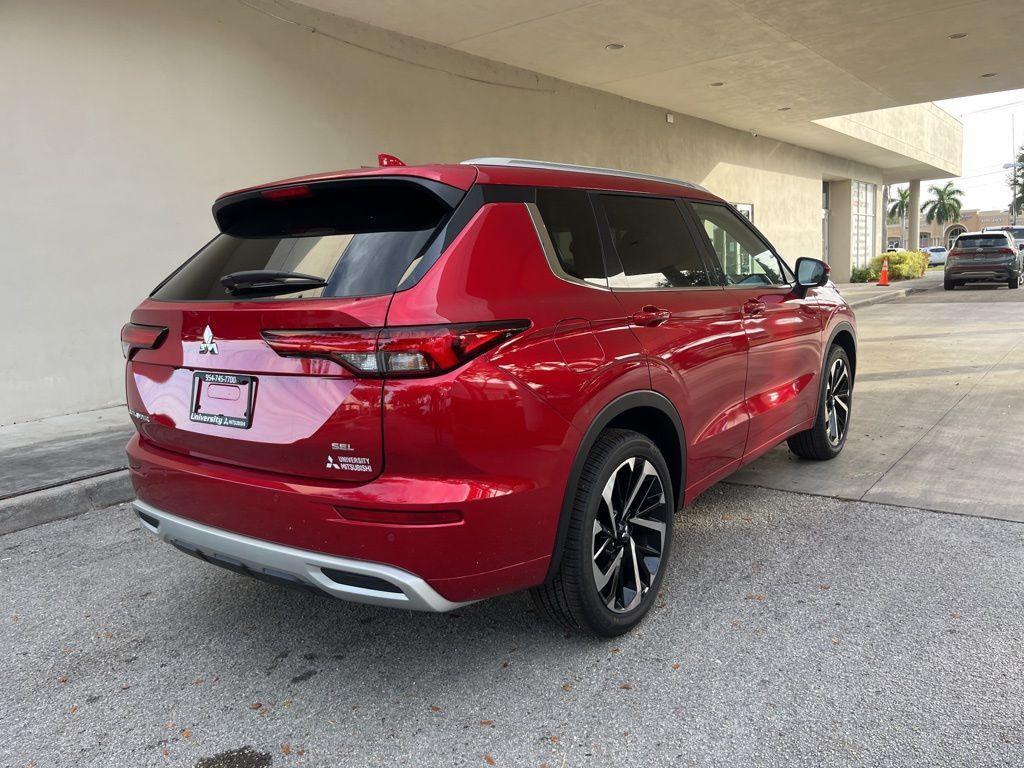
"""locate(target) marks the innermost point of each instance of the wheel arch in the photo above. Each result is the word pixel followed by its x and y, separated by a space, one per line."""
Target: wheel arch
pixel 845 336
pixel 645 411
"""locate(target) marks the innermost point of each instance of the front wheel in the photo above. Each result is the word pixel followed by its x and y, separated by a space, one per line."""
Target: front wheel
pixel 827 437
pixel 619 538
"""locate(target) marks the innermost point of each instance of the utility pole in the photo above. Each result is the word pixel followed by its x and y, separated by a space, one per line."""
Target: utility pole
pixel 1015 168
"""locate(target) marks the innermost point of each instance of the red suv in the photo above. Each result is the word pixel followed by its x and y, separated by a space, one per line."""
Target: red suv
pixel 426 386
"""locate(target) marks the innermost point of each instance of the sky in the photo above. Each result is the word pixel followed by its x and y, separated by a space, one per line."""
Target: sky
pixel 987 146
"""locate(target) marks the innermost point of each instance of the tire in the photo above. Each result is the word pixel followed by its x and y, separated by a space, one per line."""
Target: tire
pixel 821 442
pixel 948 285
pixel 621 466
pixel 1014 282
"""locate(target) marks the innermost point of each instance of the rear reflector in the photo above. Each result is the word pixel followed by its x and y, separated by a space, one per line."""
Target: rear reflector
pixel 135 336
pixel 396 352
pixel 390 517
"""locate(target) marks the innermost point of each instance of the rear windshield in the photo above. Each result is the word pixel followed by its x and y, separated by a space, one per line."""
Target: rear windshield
pixel 361 238
pixel 982 241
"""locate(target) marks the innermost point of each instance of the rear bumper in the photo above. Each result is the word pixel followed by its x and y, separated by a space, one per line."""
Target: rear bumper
pixel 354 580
pixel 502 541
pixel 979 273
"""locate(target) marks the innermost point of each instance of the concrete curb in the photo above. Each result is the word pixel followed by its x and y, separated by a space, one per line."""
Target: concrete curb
pixel 882 298
pixel 63 501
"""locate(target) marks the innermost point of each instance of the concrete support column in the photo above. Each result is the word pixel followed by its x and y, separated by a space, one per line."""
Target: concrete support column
pixel 840 229
pixel 914 216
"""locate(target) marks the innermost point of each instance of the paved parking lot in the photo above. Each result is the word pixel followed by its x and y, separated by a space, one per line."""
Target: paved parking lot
pixel 939 409
pixel 795 629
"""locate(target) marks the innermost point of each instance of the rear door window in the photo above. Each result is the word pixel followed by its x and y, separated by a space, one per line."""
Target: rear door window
pixel 360 237
pixel 654 244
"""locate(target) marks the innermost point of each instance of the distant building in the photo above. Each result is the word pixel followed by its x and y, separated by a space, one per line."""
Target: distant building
pixel 935 234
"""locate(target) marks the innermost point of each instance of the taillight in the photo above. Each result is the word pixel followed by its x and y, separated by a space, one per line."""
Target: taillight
pixel 396 352
pixel 135 336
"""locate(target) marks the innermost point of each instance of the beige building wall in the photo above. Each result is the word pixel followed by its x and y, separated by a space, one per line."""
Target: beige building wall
pixel 124 119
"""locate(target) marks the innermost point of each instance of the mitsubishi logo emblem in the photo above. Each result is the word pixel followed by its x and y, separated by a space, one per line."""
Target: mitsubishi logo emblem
pixel 208 345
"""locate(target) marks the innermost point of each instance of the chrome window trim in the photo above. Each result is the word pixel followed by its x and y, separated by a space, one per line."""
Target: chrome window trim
pixel 519 162
pixel 670 289
pixel 552 256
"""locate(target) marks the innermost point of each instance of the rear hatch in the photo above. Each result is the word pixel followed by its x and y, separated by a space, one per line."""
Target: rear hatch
pixel 985 248
pixel 291 262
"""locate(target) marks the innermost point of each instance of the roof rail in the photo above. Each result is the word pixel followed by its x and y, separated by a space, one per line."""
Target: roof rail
pixel 518 162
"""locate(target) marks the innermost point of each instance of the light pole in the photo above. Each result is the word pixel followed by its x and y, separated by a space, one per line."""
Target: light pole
pixel 1013 200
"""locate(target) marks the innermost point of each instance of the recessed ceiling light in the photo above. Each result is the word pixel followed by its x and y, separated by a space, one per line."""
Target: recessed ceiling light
pixel 716 84
pixel 615 46
pixel 990 74
pixel 784 109
pixel 958 36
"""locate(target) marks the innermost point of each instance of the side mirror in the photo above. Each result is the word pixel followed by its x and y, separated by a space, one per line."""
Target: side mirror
pixel 811 273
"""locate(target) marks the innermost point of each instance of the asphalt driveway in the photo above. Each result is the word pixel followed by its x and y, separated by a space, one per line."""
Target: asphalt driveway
pixel 794 630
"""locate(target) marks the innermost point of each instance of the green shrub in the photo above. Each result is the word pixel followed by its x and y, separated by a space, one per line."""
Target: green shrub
pixel 862 275
pixel 903 265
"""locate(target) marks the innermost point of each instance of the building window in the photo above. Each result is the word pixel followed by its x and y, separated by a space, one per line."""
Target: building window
pixel 745 209
pixel 862 236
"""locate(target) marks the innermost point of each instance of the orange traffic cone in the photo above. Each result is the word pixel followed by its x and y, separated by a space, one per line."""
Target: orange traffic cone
pixel 883 279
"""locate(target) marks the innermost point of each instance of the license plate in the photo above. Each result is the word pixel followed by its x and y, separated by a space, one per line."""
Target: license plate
pixel 222 399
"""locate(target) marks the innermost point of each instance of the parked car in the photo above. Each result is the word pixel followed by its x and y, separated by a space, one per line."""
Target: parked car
pixel 426 386
pixel 987 257
pixel 936 255
pixel 1015 232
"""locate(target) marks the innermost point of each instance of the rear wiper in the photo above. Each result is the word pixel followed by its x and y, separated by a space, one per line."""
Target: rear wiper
pixel 269 282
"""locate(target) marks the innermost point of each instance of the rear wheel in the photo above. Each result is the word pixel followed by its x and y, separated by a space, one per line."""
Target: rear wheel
pixel 1014 281
pixel 835 403
pixel 948 284
pixel 619 538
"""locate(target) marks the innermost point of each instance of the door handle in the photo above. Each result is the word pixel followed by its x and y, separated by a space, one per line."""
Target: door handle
pixel 753 307
pixel 649 315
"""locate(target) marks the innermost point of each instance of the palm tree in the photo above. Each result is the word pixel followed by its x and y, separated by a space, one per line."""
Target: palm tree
pixel 898 210
pixel 898 207
pixel 1016 182
pixel 944 206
